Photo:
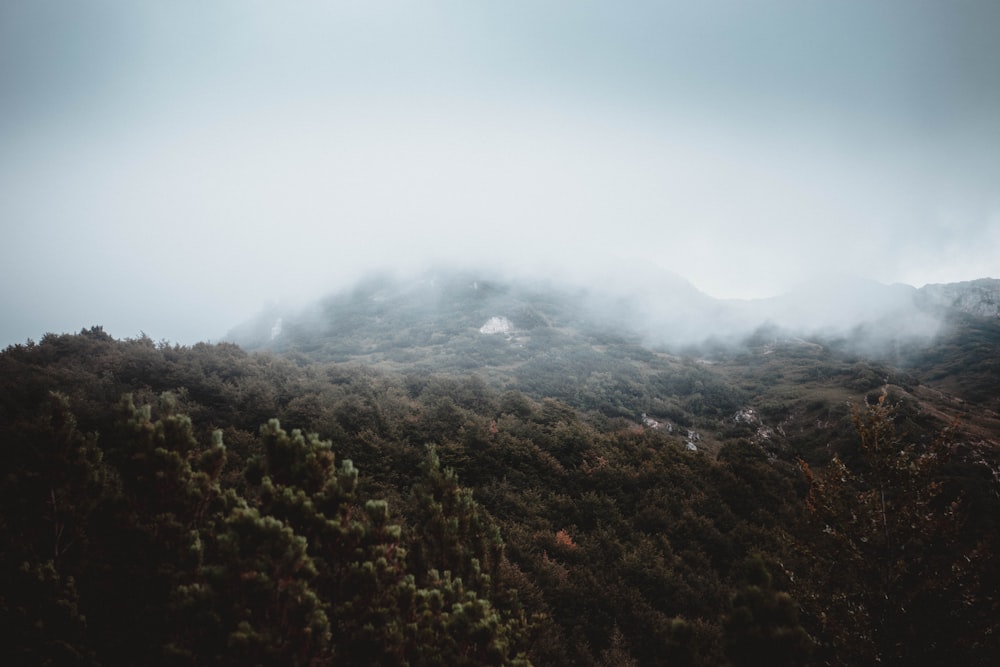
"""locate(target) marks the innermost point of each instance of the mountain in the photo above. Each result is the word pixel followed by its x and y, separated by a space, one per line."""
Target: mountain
pixel 658 307
pixel 462 468
pixel 464 321
pixel 447 302
pixel 642 346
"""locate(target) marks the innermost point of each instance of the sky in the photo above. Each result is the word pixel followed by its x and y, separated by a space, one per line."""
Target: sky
pixel 170 167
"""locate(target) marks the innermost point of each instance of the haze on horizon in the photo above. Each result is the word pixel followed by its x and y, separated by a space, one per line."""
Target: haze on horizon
pixel 171 167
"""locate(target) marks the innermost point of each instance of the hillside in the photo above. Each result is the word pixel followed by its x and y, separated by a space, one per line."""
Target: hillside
pixel 504 473
pixel 599 351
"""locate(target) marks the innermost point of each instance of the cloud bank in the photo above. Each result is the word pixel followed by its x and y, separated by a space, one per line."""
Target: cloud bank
pixel 169 167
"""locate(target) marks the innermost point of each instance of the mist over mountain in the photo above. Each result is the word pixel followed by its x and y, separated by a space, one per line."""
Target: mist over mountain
pixel 652 307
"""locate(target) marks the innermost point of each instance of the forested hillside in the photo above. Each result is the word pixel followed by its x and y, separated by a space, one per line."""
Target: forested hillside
pixel 559 493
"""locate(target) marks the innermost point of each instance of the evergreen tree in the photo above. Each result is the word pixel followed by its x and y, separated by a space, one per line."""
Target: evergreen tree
pixel 763 628
pixel 54 480
pixel 153 538
pixel 456 555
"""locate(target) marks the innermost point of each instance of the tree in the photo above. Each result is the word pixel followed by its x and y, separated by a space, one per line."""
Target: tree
pixel 456 555
pixel 54 479
pixel 391 599
pixel 883 554
pixel 763 627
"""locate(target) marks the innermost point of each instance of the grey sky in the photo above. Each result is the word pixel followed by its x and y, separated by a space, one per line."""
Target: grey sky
pixel 171 166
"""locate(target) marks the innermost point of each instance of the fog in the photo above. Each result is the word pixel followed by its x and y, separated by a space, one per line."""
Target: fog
pixel 172 168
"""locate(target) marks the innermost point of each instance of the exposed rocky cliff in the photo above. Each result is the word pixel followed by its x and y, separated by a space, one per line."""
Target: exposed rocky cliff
pixel 974 297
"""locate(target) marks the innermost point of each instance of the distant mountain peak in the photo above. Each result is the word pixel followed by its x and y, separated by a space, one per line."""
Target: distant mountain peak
pixel 972 297
pixel 657 307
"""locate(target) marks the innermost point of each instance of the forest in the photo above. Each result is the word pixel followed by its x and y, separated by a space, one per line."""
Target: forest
pixel 605 504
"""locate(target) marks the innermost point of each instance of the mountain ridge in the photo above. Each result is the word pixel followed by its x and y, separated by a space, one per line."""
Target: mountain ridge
pixel 671 312
pixel 979 297
pixel 603 351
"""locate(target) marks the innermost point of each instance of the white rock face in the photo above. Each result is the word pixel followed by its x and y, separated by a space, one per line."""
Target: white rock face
pixel 652 423
pixel 276 329
pixel 975 297
pixel 496 325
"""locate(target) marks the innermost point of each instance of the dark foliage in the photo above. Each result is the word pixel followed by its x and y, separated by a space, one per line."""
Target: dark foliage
pixel 582 502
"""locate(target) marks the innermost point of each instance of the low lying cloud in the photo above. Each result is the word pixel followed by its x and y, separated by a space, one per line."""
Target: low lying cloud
pixel 167 175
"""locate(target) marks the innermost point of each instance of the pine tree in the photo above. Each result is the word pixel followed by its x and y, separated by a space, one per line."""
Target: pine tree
pixel 253 600
pixel 373 604
pixel 54 480
pixel 762 627
pixel 153 538
pixel 456 556
pixel 455 533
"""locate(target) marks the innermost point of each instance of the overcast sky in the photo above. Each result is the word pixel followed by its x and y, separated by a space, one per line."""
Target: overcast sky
pixel 171 167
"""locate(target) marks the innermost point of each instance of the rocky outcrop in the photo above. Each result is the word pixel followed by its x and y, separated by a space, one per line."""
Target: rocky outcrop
pixel 497 325
pixel 975 297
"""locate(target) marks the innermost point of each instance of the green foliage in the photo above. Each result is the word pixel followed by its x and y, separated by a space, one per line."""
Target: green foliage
pixel 763 627
pixel 291 573
pixel 41 617
pixel 545 523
